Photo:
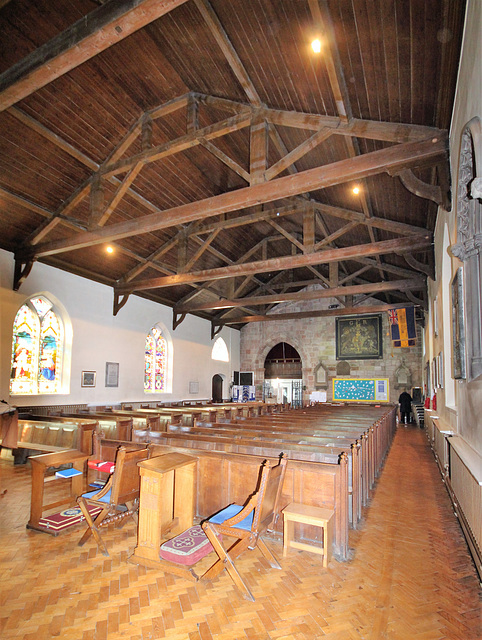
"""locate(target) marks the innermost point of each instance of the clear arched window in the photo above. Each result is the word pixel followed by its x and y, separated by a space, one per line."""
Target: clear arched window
pixel 220 351
pixel 155 371
pixel 37 349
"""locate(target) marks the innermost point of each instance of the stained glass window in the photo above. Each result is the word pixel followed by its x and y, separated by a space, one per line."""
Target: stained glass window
pixel 37 349
pixel 220 351
pixel 155 362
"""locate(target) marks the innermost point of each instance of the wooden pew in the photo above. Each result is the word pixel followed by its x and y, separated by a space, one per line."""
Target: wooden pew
pixel 221 479
pixel 40 434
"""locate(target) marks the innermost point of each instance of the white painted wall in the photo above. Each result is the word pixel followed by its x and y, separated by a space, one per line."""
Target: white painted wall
pixel 100 337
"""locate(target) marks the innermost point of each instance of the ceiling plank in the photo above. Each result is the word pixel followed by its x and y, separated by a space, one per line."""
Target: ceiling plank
pixel 280 264
pixel 95 32
pixel 375 287
pixel 413 153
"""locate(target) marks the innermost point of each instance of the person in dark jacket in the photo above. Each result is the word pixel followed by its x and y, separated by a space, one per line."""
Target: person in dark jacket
pixel 405 401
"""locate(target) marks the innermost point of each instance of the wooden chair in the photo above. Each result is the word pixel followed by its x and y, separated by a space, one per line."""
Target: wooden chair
pixel 246 524
pixel 118 498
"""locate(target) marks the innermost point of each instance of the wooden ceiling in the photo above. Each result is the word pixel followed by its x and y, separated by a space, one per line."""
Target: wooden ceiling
pixel 216 153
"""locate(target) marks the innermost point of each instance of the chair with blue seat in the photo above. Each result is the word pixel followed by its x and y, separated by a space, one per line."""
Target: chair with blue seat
pixel 117 499
pixel 247 523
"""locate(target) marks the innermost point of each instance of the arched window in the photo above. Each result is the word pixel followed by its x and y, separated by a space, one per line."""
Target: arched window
pixel 220 351
pixel 37 349
pixel 155 373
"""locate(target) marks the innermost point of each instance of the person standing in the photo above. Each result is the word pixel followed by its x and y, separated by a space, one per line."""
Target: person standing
pixel 405 401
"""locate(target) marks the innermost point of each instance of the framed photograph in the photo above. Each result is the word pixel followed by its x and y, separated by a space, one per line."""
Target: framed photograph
pixel 359 337
pixel 111 374
pixel 88 378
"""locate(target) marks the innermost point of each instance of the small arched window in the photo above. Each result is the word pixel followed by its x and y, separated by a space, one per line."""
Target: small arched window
pixel 155 372
pixel 220 351
pixel 37 349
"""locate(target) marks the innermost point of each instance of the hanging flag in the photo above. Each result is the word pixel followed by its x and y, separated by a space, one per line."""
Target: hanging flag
pixel 402 327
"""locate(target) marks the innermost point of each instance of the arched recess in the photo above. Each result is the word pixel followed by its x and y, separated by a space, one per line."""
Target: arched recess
pixel 217 388
pixel 287 385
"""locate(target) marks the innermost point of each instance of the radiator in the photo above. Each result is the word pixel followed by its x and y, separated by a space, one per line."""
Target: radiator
pixel 465 487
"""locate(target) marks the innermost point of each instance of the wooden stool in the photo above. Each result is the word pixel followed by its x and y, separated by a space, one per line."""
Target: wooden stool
pixel 315 516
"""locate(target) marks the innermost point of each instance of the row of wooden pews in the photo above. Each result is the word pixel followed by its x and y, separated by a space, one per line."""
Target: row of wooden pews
pixel 335 454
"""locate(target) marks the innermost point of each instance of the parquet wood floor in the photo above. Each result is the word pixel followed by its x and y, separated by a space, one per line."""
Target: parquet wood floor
pixel 410 577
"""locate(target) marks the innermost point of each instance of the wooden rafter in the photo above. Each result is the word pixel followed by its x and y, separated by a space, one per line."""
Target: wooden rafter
pixel 280 264
pixel 95 32
pixel 402 155
pixel 322 313
pixel 401 285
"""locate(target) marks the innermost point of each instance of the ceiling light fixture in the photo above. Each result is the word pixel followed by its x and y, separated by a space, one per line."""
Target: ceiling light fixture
pixel 356 190
pixel 109 249
pixel 316 45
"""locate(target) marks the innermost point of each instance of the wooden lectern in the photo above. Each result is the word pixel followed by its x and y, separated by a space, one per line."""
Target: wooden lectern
pixel 166 503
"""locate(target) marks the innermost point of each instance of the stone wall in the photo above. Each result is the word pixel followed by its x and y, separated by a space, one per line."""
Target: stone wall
pixel 314 339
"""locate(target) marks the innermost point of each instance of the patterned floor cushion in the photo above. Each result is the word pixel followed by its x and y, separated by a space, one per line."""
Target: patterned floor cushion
pixel 188 547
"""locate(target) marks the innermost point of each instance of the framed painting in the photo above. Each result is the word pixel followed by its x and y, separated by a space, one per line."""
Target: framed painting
pixel 88 378
pixel 359 337
pixel 458 327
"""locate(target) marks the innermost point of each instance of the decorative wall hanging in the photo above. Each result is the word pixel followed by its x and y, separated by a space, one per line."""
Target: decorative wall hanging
pixel 402 327
pixel 359 337
pixel 111 374
pixel 360 389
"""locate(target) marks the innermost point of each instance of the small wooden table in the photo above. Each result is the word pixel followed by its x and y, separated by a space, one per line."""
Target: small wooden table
pixel 39 465
pixel 166 503
pixel 316 516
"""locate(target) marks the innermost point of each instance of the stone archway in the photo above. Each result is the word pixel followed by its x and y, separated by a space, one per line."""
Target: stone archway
pixel 266 348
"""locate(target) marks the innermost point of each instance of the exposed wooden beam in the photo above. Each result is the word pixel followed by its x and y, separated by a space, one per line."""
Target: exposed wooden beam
pixel 322 313
pixel 221 37
pixel 375 287
pixel 380 223
pixel 371 129
pixel 297 153
pixel 280 264
pixel 229 162
pixel 217 130
pixel 95 32
pixel 318 178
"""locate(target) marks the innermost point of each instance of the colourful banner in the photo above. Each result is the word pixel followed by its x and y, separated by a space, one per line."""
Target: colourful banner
pixel 402 327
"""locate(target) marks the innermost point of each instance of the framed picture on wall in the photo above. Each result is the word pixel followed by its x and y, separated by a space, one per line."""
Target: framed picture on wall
pixel 111 374
pixel 359 337
pixel 88 378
